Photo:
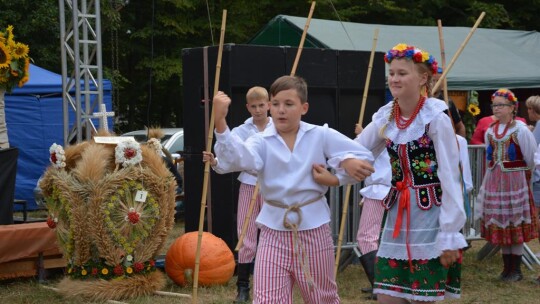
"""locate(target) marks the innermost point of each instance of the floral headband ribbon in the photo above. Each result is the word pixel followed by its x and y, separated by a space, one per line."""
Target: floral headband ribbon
pixel 410 52
pixel 506 94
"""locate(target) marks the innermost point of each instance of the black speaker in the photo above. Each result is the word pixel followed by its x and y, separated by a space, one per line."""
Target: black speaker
pixel 335 79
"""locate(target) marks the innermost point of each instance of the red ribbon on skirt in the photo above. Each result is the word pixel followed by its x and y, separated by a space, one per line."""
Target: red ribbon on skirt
pixel 404 205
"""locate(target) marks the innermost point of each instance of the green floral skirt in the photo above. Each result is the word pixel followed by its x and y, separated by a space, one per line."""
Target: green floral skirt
pixel 430 281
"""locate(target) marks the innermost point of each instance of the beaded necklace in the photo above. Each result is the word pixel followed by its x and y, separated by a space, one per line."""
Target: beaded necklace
pixel 404 123
pixel 496 129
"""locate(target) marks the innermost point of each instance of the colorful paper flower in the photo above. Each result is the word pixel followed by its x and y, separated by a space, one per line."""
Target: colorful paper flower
pixel 128 153
pixel 133 216
pixel 57 156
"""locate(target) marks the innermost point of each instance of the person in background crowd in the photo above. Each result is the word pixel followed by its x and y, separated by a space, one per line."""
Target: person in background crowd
pixel 376 187
pixel 419 255
pixel 483 124
pixel 533 109
pixel 505 206
pixel 257 105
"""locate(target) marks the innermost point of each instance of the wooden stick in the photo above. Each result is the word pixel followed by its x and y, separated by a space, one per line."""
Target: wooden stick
pixel 207 164
pixel 360 120
pixel 443 64
pixel 293 71
pixel 171 294
pixel 456 55
pixel 446 99
pixel 301 45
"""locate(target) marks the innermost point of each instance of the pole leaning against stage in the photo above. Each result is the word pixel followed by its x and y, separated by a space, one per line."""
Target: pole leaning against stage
pixel 360 120
pixel 207 164
pixel 256 190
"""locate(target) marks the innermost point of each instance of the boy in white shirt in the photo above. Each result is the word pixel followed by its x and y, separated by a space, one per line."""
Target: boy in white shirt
pixel 295 243
pixel 257 105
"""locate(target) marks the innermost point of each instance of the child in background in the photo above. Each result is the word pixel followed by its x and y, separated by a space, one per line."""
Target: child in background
pixel 295 242
pixel 257 105
pixel 505 205
pixel 376 187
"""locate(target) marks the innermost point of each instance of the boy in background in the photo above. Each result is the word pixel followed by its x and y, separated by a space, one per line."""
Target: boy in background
pixel 257 105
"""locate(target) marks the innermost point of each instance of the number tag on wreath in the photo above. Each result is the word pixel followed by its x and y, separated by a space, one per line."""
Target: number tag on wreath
pixel 140 196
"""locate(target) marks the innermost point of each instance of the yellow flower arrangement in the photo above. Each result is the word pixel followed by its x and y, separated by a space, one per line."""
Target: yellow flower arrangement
pixel 14 61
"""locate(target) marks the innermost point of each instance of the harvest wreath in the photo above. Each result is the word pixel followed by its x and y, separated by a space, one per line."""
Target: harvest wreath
pixel 111 207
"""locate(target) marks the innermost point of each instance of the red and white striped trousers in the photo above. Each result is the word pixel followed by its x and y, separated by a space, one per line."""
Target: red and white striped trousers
pixel 277 267
pixel 369 227
pixel 246 254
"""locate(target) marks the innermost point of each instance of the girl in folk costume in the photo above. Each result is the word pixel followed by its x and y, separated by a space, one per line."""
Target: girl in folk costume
pixel 505 203
pixel 419 257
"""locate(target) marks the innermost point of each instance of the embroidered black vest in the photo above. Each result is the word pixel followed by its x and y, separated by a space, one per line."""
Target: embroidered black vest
pixel 416 163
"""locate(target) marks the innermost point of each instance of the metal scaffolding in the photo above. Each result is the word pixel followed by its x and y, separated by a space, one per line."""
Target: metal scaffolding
pixel 80 39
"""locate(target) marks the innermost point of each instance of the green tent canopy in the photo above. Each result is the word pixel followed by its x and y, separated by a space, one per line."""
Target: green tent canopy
pixel 492 58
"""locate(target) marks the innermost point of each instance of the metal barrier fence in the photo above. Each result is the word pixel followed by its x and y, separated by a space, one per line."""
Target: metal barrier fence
pixel 349 250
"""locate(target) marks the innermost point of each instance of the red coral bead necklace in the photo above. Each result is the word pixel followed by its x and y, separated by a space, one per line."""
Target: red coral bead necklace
pixel 402 123
pixel 496 129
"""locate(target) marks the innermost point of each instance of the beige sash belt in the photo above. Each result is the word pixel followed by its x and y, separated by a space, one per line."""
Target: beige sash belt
pixel 299 250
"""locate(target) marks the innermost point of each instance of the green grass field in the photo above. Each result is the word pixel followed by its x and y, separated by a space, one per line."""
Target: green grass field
pixel 480 285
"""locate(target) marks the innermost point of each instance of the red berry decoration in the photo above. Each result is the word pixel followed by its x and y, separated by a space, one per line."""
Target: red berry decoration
pixel 51 223
pixel 133 217
pixel 129 153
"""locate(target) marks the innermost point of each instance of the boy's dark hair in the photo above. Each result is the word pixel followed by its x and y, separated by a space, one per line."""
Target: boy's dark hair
pixel 284 83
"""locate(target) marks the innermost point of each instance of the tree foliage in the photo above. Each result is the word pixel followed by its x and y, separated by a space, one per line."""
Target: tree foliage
pixel 142 41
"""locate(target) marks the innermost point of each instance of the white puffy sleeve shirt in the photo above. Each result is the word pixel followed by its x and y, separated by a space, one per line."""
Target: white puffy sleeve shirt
pixel 245 131
pixel 284 175
pixel 452 216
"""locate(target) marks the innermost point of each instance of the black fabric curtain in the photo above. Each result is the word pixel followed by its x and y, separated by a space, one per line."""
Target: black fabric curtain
pixel 8 171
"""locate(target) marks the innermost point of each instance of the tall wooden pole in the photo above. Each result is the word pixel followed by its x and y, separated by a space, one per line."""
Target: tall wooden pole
pixel 360 120
pixel 456 55
pixel 207 164
pixel 256 190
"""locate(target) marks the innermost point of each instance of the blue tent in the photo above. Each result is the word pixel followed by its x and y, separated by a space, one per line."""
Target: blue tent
pixel 34 118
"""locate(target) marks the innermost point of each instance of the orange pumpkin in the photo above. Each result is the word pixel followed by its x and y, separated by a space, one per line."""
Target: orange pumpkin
pixel 216 265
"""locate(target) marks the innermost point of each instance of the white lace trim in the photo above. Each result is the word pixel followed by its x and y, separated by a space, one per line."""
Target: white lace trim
pixel 431 109
pixel 404 295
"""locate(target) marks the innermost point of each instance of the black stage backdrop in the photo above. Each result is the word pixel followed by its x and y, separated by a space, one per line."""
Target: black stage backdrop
pixel 335 79
pixel 8 172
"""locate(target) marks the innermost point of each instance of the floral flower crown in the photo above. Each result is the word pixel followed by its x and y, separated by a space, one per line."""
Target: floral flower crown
pixel 415 54
pixel 506 94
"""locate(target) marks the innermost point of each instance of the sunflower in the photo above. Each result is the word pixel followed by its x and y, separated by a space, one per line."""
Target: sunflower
pixel 5 56
pixel 14 61
pixel 473 109
pixel 20 51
